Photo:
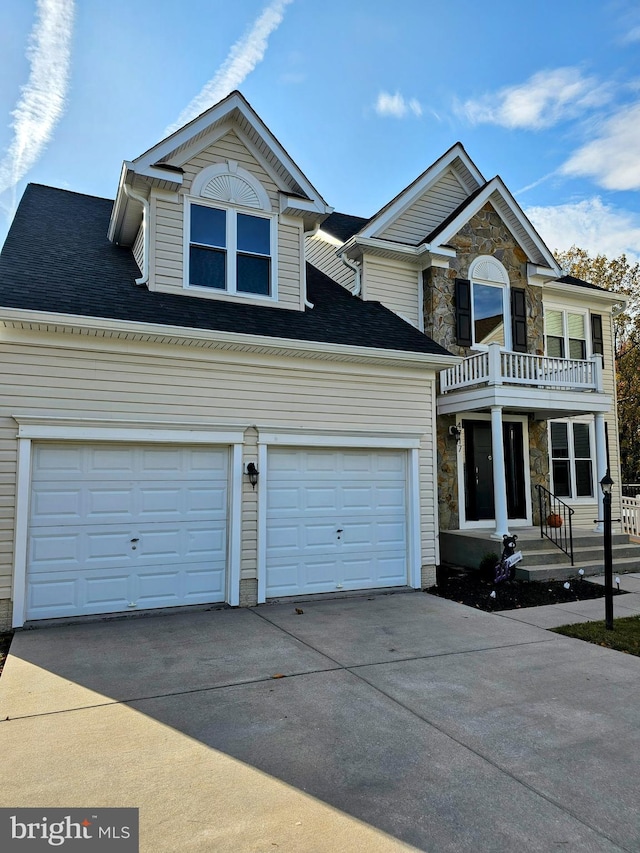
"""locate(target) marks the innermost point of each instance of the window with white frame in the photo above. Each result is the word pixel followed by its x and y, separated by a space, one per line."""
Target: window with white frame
pixel 489 302
pixel 571 450
pixel 566 333
pixel 230 233
pixel 230 250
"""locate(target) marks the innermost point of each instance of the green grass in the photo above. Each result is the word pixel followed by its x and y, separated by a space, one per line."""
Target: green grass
pixel 625 636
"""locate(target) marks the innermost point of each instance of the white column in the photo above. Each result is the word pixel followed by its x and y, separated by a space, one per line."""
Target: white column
pixel 499 476
pixel 601 467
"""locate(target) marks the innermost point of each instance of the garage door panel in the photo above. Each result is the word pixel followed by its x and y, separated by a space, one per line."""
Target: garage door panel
pixel 110 593
pixel 50 595
pixel 390 570
pixel 357 497
pixel 55 506
pixel 109 523
pixel 53 549
pixel 321 498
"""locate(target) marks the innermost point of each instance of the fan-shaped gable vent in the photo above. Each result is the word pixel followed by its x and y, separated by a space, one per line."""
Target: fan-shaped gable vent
pixel 232 189
pixel 489 269
pixel 231 184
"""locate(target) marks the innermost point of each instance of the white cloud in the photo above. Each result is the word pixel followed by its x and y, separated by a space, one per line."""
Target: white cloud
pixel 613 159
pixel 396 105
pixel 243 57
pixel 632 36
pixel 547 98
pixel 590 224
pixel 42 100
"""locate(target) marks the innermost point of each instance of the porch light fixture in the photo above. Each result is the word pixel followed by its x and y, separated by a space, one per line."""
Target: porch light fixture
pixel 455 431
pixel 252 473
pixel 606 484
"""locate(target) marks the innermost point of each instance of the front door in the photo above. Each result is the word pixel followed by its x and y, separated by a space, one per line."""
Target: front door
pixel 479 502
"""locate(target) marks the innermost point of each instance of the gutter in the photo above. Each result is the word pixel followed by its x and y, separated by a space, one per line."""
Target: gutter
pixel 357 269
pixel 306 234
pixel 144 278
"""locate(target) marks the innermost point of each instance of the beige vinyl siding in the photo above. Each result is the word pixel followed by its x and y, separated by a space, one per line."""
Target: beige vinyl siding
pixel 167 231
pixel 57 375
pixel 138 248
pixel 393 284
pixel 427 212
pixel 323 256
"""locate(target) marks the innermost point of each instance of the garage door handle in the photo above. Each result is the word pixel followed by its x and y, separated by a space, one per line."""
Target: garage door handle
pixel 340 530
pixel 135 540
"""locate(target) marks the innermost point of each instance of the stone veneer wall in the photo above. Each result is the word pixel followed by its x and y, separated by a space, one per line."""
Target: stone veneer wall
pixel 539 462
pixel 5 614
pixel 484 234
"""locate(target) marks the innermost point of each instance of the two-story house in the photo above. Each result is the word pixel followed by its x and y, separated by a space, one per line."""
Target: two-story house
pixel 215 389
pixel 527 421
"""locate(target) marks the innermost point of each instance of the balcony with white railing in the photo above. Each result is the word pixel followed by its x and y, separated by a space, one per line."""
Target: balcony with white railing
pixel 498 367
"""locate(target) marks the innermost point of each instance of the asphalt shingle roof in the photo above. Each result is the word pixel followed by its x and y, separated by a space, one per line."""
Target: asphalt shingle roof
pixel 571 279
pixel 57 258
pixel 343 225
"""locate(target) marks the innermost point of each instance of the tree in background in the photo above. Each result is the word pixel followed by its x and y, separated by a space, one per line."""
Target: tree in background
pixel 620 276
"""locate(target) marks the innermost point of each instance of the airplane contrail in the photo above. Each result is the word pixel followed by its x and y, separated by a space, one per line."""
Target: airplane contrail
pixel 243 57
pixel 42 99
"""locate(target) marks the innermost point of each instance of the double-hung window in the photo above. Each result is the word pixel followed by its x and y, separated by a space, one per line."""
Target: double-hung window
pixel 571 459
pixel 230 250
pixel 566 333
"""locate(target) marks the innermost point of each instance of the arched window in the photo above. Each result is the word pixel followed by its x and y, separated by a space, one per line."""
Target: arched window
pixel 489 302
pixel 232 233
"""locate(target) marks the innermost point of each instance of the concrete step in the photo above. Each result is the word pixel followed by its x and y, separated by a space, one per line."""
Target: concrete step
pixel 594 540
pixel 554 556
pixel 565 571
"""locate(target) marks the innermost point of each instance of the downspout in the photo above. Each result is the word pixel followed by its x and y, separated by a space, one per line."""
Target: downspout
pixel 357 268
pixel 306 234
pixel 144 278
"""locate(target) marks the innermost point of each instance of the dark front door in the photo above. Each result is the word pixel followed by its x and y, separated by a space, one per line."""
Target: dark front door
pixel 479 505
pixel 479 470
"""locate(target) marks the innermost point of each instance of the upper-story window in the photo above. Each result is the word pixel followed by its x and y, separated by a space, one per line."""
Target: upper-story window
pixel 228 248
pixel 566 333
pixel 483 304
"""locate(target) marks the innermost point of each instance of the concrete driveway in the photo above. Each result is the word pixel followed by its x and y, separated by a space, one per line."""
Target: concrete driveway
pixel 402 721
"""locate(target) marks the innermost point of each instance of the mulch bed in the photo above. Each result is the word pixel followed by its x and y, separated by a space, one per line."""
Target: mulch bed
pixel 5 642
pixel 470 589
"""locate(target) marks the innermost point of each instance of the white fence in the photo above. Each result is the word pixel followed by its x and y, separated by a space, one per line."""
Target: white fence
pixel 631 515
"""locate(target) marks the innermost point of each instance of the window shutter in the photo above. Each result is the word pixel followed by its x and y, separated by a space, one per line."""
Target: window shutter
pixel 463 312
pixel 519 319
pixel 597 341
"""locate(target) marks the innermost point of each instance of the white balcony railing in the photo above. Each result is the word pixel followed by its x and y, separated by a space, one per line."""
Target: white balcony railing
pixel 496 367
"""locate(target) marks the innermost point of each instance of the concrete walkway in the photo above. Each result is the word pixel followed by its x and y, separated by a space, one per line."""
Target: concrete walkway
pixel 554 615
pixel 402 721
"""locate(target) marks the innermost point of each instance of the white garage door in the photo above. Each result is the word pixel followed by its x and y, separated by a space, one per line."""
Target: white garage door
pixel 116 528
pixel 336 520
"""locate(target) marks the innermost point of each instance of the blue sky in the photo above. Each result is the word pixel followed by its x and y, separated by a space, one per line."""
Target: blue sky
pixel 364 94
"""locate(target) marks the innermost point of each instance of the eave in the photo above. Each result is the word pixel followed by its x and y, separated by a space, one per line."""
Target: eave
pixel 421 256
pixel 587 294
pixel 205 339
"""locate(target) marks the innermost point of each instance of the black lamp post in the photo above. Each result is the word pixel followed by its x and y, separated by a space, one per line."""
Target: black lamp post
pixel 606 484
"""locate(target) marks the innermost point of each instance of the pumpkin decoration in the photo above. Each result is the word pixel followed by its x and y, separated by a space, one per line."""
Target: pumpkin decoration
pixel 554 520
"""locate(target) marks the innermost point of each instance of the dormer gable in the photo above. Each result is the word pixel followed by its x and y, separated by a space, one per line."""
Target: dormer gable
pixel 421 206
pixel 219 210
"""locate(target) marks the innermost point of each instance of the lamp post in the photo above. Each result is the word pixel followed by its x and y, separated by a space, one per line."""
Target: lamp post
pixel 606 484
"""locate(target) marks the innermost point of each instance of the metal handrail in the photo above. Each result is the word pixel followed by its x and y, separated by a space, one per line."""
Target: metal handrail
pixel 555 521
